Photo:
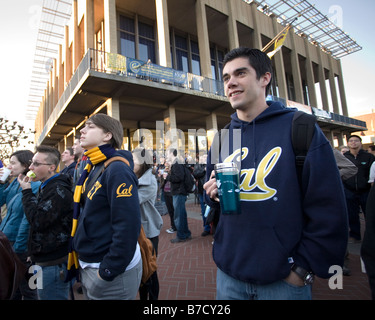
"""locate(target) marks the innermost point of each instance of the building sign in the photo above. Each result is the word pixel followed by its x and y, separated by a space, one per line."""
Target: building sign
pixel 321 113
pixel 155 72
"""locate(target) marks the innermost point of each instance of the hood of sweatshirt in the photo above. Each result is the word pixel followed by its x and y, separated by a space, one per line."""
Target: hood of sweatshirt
pixel 239 130
pixel 126 155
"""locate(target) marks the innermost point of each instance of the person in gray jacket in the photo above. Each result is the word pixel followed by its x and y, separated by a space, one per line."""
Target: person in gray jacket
pixel 150 216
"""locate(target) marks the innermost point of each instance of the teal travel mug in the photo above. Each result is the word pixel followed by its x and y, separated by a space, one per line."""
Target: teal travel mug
pixel 228 185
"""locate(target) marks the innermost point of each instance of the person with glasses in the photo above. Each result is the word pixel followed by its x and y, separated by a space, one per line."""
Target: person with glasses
pixel 50 215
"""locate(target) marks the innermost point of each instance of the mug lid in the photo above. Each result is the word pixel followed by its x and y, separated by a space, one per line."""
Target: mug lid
pixel 225 165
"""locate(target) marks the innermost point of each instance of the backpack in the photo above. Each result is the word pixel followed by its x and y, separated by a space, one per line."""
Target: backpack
pixel 189 181
pixel 12 270
pixel 148 253
pixel 303 127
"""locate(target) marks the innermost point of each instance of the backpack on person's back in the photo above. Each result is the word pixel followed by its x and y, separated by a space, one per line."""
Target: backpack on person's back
pixel 189 181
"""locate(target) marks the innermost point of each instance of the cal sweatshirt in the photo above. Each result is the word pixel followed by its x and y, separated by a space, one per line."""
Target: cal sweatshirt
pixel 110 222
pixel 281 222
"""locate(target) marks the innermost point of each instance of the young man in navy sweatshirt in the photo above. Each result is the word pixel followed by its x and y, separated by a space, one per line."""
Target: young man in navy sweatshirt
pixel 109 223
pixel 286 232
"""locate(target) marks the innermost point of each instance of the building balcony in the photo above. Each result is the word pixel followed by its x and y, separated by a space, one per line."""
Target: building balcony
pixel 145 91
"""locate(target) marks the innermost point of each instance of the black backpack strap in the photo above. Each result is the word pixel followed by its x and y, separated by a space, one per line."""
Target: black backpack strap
pixel 303 128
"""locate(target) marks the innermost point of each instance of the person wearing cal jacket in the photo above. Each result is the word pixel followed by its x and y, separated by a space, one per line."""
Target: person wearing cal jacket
pixel 287 231
pixel 105 242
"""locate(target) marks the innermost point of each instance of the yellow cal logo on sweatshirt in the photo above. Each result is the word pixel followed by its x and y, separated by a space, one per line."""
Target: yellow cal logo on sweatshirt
pixel 253 184
pixel 93 190
pixel 122 191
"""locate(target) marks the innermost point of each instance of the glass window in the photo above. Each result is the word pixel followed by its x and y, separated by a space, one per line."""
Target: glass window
pixel 181 43
pixel 217 58
pixel 127 24
pixel 182 60
pixel 146 50
pixel 127 45
pixel 146 31
pixel 196 61
pixel 146 42
pixel 127 37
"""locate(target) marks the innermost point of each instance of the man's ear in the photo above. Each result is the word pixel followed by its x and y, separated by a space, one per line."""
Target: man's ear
pixel 108 136
pixel 266 78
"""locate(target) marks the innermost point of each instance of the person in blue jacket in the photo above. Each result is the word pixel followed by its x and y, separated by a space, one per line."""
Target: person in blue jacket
pixel 107 229
pixel 286 232
pixel 15 225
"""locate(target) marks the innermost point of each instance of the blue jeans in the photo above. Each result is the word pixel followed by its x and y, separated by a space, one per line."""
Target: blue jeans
pixel 206 228
pixel 180 217
pixel 228 288
pixel 54 287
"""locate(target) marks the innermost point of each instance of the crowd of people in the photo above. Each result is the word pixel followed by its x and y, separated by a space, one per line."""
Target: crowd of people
pixel 82 223
pixel 87 217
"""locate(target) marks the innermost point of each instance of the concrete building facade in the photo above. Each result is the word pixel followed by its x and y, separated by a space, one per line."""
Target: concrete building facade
pixel 156 65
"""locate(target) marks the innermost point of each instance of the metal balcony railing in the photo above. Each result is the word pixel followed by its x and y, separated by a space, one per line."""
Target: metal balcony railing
pixel 120 65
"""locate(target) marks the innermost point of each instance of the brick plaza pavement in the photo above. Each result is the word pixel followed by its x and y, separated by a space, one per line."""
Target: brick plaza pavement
pixel 186 270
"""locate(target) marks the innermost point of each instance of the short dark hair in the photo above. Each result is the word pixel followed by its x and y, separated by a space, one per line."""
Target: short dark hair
pixel 109 124
pixel 53 155
pixel 372 148
pixel 354 136
pixel 70 149
pixel 257 59
pixel 24 157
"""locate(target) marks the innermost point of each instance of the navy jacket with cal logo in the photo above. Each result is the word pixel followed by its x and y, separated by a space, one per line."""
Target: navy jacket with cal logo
pixel 109 225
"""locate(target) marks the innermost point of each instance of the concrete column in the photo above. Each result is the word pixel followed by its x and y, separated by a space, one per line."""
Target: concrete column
pixel 279 66
pixel 164 42
pixel 340 138
pixel 211 122
pixel 310 76
pixel 76 38
pixel 53 85
pixel 46 104
pixel 170 119
pixel 113 108
pixel 257 36
pixel 344 104
pixel 234 42
pixel 332 85
pixel 89 25
pixel 68 63
pixel 322 81
pixel 297 81
pixel 170 127
pixel 61 74
pixel 110 26
pixel 203 39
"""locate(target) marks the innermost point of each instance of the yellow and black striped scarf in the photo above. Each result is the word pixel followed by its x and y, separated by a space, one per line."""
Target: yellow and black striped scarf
pixel 94 157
